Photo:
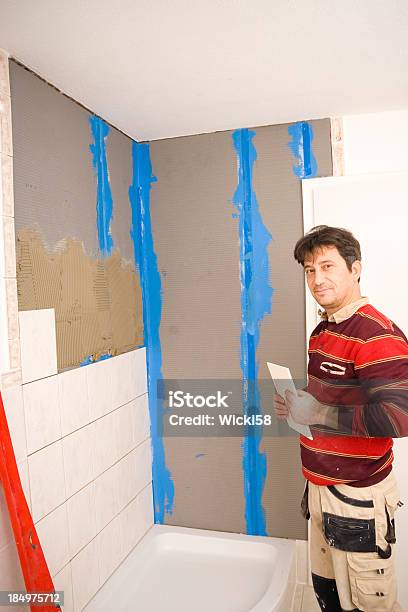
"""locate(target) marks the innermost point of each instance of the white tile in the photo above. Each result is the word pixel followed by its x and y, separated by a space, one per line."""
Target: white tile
pixel 22 467
pixel 137 518
pixel 14 408
pixel 7 184
pixel 73 390
pixel 106 501
pixel 11 578
pixel 132 424
pixel 47 484
pixel 12 378
pixel 297 598
pixel 145 509
pixel 9 238
pixel 14 354
pixel 4 348
pixel 99 377
pixel 126 480
pixel 10 287
pixel 138 371
pixel 37 329
pixel 104 443
pixel 85 575
pixel 109 543
pixel 301 561
pixel 122 382
pixel 42 413
pixel 78 459
pixel 6 140
pixel 142 418
pixel 6 532
pixel 125 428
pixel 52 532
pixel 129 527
pixel 63 582
pixel 81 519
pixel 4 74
pixel 309 601
pixel 142 458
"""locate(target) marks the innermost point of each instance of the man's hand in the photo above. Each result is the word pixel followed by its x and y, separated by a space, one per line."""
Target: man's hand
pixel 280 407
pixel 304 409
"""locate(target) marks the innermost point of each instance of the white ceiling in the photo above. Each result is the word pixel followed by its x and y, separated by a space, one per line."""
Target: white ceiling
pixel 163 68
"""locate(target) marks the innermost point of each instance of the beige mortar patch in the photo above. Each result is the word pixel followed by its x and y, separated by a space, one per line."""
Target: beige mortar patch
pixel 98 303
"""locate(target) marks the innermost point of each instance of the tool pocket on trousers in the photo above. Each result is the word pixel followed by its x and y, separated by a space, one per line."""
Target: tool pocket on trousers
pixel 372 582
pixel 349 534
pixel 304 504
pixel 392 503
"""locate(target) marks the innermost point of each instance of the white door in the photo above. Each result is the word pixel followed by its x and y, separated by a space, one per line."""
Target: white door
pixel 375 208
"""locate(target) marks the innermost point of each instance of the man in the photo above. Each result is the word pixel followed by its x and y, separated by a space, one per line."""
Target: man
pixel 356 402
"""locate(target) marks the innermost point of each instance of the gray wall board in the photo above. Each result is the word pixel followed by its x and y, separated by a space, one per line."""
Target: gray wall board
pixel 197 244
pixel 96 296
pixel 54 182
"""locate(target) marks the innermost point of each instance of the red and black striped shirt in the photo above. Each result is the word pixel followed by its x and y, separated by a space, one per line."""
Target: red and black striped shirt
pixel 359 365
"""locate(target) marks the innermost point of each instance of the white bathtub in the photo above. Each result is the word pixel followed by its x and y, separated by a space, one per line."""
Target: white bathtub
pixel 175 569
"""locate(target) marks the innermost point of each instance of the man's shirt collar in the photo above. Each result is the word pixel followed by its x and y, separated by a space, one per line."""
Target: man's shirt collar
pixel 344 313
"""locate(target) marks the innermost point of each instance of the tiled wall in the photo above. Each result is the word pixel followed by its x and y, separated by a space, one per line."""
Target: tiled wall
pixel 9 342
pixel 81 439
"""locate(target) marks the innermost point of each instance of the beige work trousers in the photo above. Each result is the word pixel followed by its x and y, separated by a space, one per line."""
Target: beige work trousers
pixel 364 580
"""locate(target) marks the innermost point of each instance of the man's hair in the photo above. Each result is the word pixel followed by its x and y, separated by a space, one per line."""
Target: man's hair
pixel 324 235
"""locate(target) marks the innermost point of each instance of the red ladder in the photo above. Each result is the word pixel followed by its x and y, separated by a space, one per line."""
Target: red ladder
pixel 36 574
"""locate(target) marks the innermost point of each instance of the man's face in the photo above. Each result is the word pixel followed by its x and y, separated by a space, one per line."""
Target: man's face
pixel 330 281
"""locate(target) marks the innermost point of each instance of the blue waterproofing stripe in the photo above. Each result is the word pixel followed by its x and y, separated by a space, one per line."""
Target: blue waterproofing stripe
pixel 256 302
pixel 301 147
pixel 146 260
pixel 104 202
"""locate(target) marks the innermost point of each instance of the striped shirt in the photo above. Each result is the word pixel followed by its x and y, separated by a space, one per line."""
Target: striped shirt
pixel 358 362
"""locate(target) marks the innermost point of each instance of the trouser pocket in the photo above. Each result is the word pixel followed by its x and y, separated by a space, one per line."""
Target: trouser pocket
pixel 360 524
pixel 349 533
pixel 372 582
